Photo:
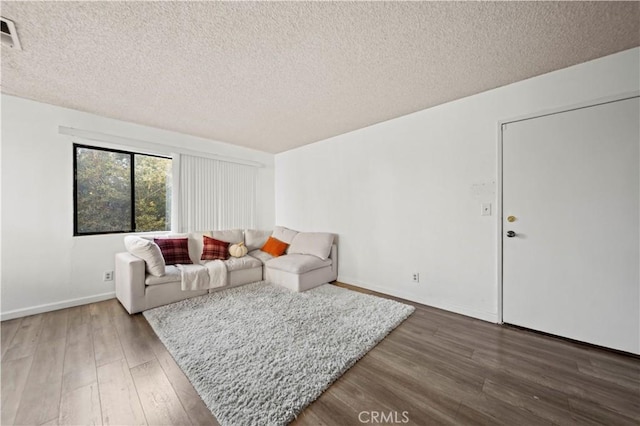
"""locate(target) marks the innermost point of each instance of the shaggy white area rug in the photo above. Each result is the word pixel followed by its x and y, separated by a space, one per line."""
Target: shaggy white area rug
pixel 258 354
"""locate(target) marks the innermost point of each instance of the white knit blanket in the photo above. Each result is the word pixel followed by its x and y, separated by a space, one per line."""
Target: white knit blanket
pixel 217 271
pixel 212 274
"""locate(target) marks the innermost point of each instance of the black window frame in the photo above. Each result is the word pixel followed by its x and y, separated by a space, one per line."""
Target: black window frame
pixel 132 177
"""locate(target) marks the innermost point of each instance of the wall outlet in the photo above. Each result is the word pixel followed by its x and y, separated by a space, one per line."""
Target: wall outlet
pixel 416 277
pixel 108 276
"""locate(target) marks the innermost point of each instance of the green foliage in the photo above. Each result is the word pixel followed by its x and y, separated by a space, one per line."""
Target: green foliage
pixel 153 196
pixel 104 191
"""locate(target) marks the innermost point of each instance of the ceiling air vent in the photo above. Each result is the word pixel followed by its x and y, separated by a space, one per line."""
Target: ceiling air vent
pixel 9 34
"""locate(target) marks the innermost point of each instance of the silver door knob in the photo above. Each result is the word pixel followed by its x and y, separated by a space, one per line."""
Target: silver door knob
pixel 511 234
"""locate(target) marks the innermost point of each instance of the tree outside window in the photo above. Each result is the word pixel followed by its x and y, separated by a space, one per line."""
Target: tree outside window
pixel 119 191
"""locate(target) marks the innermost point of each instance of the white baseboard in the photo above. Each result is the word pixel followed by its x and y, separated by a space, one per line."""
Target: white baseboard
pixel 485 316
pixel 462 310
pixel 17 313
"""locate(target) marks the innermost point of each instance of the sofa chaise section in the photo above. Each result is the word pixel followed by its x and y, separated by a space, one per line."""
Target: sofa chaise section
pixel 301 272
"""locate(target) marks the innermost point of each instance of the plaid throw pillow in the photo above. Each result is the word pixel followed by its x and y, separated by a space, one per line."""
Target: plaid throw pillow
pixel 214 249
pixel 174 250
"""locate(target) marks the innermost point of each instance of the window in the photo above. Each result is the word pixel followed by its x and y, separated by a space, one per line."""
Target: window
pixel 120 191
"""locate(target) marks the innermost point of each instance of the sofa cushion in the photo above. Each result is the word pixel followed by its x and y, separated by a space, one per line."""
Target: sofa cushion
pixel 165 235
pixel 168 235
pixel 148 251
pixel 232 236
pixel 171 275
pixel 254 239
pixel 214 249
pixel 284 234
pixel 261 255
pixel 297 263
pixel 245 262
pixel 274 247
pixel 174 250
pixel 313 243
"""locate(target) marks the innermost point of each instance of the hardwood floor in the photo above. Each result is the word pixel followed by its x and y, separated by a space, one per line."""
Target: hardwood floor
pixel 95 364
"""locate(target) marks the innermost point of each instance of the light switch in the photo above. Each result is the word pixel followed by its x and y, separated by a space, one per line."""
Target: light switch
pixel 485 209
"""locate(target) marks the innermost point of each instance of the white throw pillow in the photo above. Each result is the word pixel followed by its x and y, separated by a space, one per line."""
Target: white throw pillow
pixel 315 243
pixel 147 251
pixel 283 234
pixel 196 244
pixel 255 239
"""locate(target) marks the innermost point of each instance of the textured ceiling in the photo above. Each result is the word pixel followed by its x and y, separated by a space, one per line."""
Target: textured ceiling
pixel 274 76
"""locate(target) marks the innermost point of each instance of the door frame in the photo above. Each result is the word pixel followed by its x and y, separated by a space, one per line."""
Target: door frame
pixel 500 164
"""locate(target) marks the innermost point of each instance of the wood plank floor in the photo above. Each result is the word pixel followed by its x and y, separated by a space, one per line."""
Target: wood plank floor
pixel 95 364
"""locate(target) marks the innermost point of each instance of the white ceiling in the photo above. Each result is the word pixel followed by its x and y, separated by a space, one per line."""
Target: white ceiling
pixel 274 76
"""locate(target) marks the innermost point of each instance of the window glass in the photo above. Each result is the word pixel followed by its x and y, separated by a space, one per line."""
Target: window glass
pixel 118 191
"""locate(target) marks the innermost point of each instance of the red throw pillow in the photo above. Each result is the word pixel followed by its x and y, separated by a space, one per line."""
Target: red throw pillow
pixel 274 247
pixel 174 250
pixel 214 249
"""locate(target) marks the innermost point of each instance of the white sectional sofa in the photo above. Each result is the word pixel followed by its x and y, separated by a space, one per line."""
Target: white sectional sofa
pixel 311 260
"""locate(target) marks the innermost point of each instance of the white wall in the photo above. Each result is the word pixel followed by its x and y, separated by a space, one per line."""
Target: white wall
pixel 404 195
pixel 43 266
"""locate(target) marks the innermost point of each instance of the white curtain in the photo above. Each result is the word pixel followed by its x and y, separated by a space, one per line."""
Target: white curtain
pixel 212 194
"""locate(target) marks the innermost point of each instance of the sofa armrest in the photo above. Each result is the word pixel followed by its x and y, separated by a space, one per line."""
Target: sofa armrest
pixel 130 286
pixel 334 259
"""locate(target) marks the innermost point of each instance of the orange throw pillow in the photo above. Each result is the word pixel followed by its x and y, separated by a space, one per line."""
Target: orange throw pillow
pixel 274 247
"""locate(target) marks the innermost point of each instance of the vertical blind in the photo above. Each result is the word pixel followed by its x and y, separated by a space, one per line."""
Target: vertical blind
pixel 212 194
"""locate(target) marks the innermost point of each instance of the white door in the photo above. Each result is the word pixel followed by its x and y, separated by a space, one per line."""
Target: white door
pixel 571 182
